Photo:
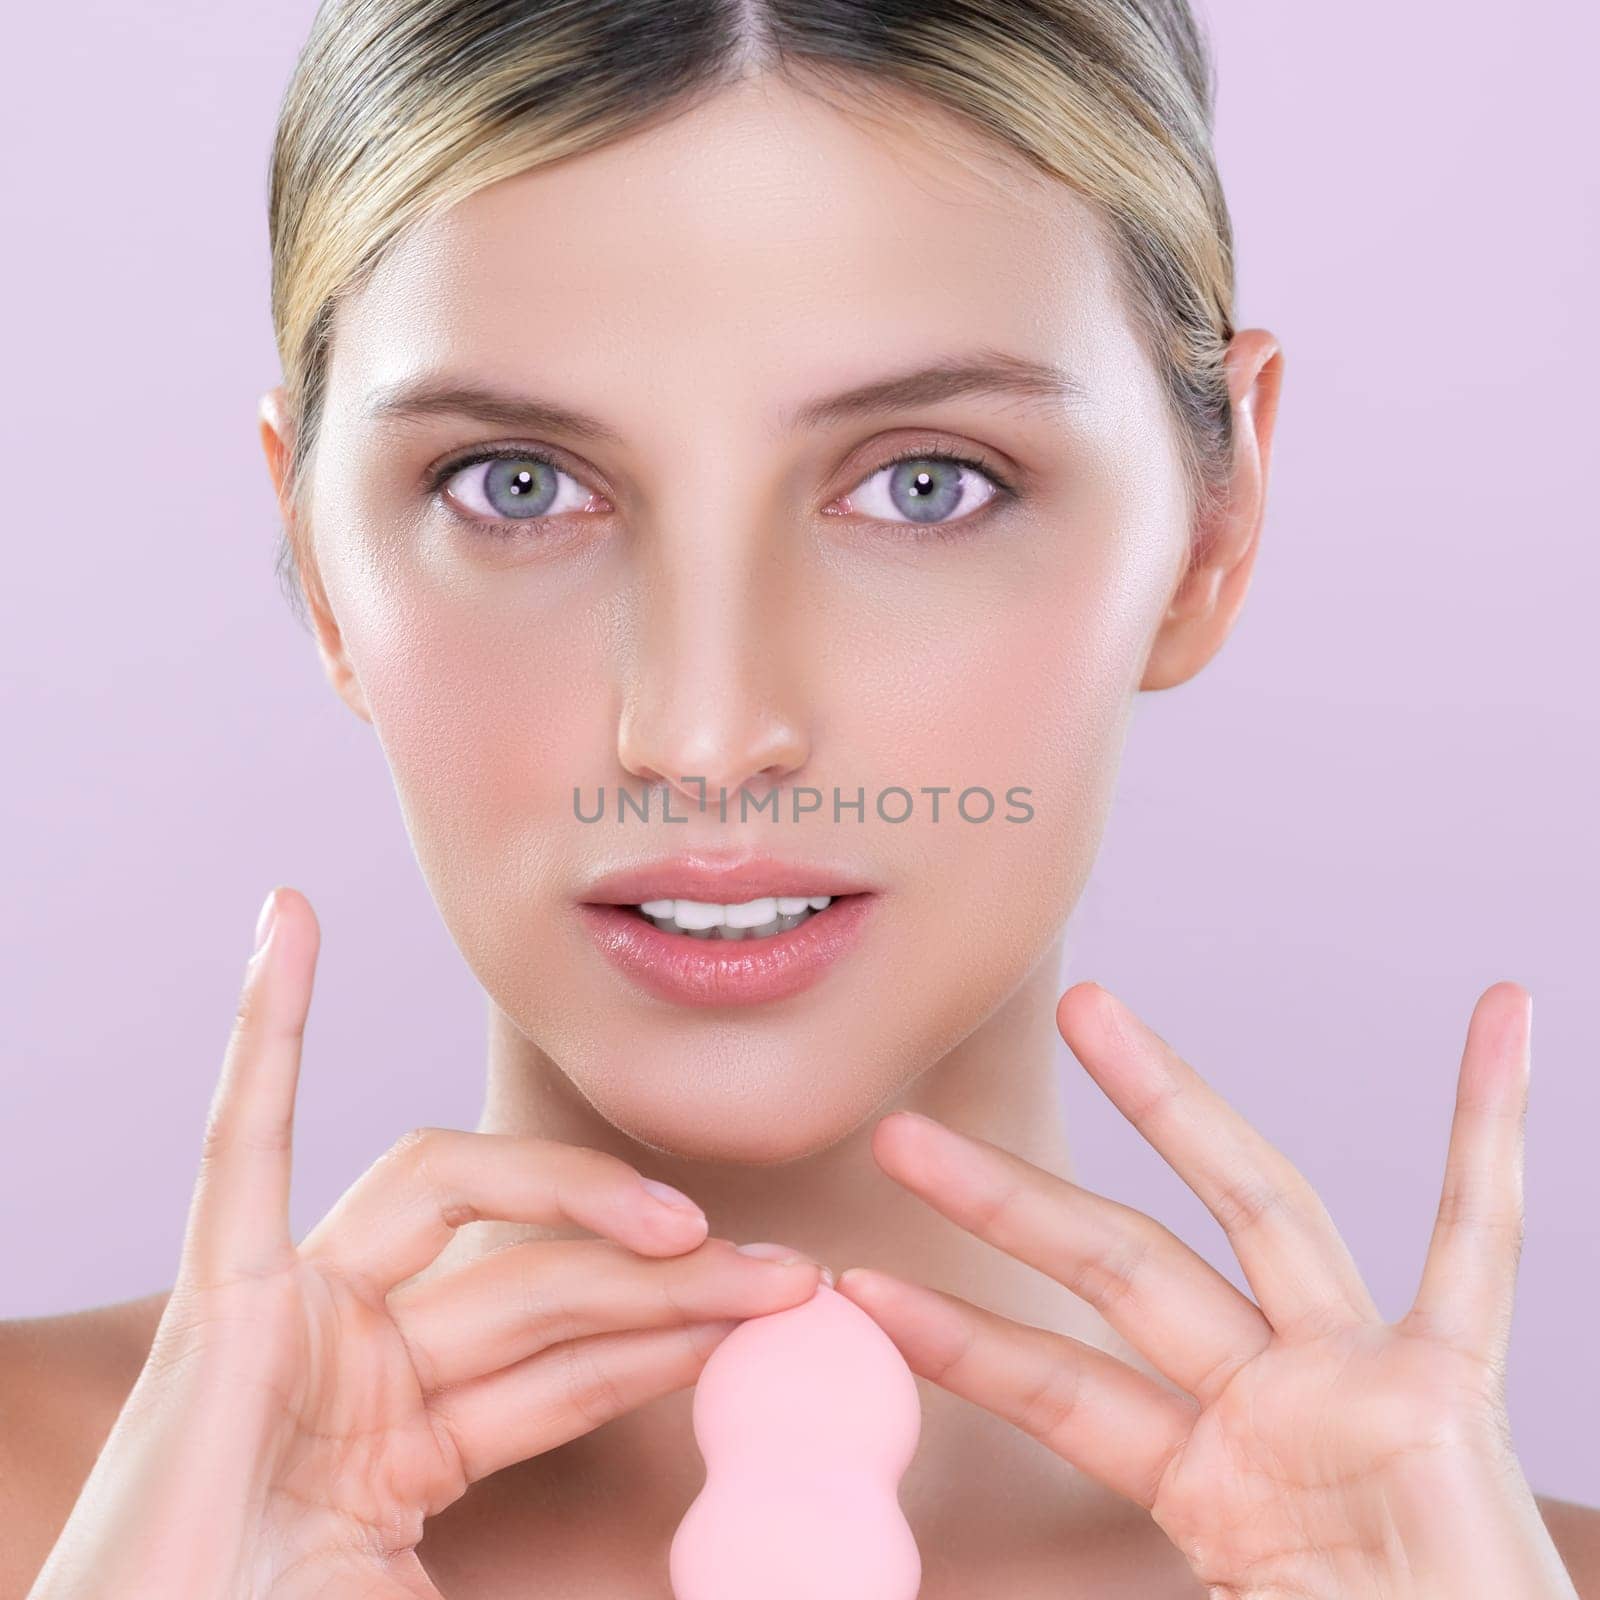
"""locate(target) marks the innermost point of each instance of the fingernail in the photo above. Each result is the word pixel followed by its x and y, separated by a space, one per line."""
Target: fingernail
pixel 264 921
pixel 668 1196
pixel 785 1255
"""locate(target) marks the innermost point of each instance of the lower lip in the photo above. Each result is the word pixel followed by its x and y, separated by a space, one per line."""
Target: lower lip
pixel 726 972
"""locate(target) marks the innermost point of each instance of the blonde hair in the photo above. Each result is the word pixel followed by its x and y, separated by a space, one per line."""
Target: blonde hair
pixel 398 108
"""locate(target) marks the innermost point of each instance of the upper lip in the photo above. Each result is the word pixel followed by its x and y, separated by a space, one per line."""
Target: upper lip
pixel 715 880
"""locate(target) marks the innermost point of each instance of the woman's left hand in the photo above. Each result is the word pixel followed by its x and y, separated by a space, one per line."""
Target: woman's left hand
pixel 1309 1448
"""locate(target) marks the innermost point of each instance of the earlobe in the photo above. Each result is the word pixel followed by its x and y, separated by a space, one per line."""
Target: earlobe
pixel 1212 589
pixel 330 640
pixel 277 436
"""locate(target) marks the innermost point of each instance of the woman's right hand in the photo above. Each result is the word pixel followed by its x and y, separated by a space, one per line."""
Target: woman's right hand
pixel 303 1409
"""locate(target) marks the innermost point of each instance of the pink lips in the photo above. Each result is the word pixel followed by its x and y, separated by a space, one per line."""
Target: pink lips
pixel 716 971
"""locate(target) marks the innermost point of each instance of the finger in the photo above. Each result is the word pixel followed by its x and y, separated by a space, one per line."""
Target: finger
pixel 1294 1258
pixel 239 1217
pixel 1169 1303
pixel 568 1390
pixel 1118 1425
pixel 399 1214
pixel 1469 1278
pixel 507 1306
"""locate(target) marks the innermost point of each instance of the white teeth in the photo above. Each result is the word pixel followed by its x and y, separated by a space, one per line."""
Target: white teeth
pixel 696 914
pixel 757 919
pixel 750 914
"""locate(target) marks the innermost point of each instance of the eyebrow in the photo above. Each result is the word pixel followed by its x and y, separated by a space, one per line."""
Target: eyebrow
pixel 985 372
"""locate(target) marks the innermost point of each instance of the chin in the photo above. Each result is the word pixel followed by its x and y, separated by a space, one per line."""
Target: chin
pixel 753 1107
pixel 760 1144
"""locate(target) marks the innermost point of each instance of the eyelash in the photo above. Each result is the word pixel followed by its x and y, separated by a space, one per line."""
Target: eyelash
pixel 942 530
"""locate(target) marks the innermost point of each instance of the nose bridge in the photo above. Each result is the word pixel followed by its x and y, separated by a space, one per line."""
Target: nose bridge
pixel 714 690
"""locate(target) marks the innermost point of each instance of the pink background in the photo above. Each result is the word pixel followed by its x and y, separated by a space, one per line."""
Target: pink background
pixel 1379 799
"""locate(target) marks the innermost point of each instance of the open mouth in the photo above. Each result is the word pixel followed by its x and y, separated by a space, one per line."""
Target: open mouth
pixel 720 928
pixel 701 952
pixel 762 918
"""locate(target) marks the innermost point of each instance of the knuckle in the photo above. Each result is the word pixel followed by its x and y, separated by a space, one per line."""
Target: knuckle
pixel 225 1132
pixel 247 1008
pixel 454 1477
pixel 954 1356
pixel 423 1363
pixel 1466 1207
pixel 1320 1320
pixel 417 1154
pixel 541 1310
pixel 254 1017
pixel 677 1290
pixel 214 1141
pixel 996 1214
pixel 1161 1104
pixel 587 1385
pixel 1244 1203
pixel 1110 1277
pixel 415 1145
pixel 1046 1406
pixel 420 1155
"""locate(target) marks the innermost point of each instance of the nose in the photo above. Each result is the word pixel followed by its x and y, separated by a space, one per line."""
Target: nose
pixel 715 692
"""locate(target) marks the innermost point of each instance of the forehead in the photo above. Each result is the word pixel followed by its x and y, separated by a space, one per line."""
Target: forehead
pixel 762 244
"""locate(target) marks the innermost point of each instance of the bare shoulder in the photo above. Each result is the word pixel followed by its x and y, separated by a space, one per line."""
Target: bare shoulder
pixel 63 1379
pixel 1575 1530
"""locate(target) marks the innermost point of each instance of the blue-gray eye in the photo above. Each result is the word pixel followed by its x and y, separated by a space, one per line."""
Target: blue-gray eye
pixel 520 488
pixel 514 488
pixel 931 488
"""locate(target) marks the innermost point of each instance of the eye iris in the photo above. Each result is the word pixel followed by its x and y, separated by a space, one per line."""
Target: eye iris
pixel 521 488
pixel 932 488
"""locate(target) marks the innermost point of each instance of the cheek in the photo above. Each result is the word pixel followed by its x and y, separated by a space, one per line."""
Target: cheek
pixel 488 718
pixel 1049 719
pixel 1010 666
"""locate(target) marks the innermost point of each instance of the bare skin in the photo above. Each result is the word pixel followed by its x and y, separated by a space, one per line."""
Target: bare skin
pixel 724 597
pixel 63 1380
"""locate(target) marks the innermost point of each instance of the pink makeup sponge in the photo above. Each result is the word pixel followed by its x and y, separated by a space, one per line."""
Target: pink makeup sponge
pixel 807 1418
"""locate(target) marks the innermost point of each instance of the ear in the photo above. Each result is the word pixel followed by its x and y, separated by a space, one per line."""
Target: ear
pixel 1214 584
pixel 277 435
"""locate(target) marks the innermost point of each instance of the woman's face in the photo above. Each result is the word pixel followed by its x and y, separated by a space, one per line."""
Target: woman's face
pixel 720 586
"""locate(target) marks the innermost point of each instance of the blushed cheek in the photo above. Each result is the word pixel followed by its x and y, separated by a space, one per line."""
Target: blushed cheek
pixel 488 722
pixel 1036 718
pixel 1033 669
